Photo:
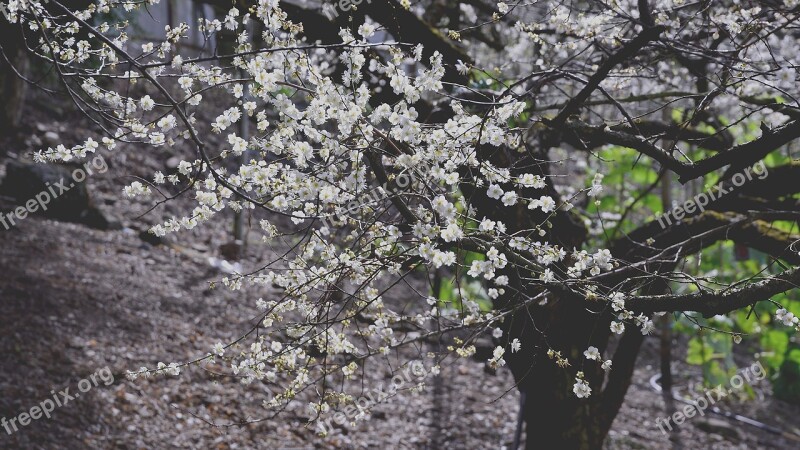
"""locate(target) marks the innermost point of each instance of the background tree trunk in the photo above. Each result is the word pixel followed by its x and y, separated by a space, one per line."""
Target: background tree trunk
pixel 12 87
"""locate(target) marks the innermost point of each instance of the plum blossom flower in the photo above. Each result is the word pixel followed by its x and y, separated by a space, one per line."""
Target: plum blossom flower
pixel 494 192
pixel 497 358
pixel 617 301
pixel 509 198
pixel 366 30
pixel 786 317
pixel 592 353
pixel 147 103
pixel 581 388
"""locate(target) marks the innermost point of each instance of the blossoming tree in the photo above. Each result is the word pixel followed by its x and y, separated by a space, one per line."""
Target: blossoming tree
pixel 457 143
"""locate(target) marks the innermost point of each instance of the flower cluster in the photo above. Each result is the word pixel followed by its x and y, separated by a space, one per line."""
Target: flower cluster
pixel 336 126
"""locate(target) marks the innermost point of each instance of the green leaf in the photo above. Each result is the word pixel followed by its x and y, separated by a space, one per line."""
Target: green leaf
pixel 698 353
pixel 774 343
pixel 715 375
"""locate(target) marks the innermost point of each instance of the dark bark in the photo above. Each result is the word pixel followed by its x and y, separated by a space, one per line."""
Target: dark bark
pixel 13 63
pixel 554 417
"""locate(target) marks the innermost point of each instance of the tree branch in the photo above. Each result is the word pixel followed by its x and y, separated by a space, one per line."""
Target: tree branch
pixel 717 302
pixel 625 52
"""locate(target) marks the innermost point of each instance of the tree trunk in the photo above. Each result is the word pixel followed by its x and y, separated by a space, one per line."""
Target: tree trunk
pixel 12 87
pixel 554 417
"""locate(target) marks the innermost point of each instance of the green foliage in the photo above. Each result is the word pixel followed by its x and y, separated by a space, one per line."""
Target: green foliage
pixel 698 353
pixel 627 176
pixel 787 385
pixel 774 343
pixel 453 294
pixel 712 351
